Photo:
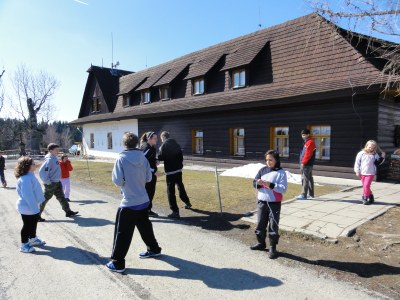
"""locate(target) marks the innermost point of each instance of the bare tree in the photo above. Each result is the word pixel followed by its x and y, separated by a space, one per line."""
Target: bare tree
pixel 374 17
pixel 34 92
pixel 66 138
pixel 1 91
pixel 51 135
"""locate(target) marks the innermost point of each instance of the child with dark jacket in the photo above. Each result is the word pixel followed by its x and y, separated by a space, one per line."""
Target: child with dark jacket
pixel 271 183
pixel 2 168
pixel 50 173
pixel 147 145
pixel 131 172
pixel 171 154
pixel 30 195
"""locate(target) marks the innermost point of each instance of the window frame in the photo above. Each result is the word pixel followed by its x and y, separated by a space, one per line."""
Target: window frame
pixel 239 72
pixel 195 139
pixel 165 88
pixel 109 141
pixel 199 80
pixel 281 137
pixel 235 141
pixel 96 105
pixel 91 141
pixel 144 93
pixel 319 146
pixel 126 100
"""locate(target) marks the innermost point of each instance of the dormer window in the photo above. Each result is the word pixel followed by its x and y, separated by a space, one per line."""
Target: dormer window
pixel 126 100
pixel 146 96
pixel 96 105
pixel 198 86
pixel 239 78
pixel 165 93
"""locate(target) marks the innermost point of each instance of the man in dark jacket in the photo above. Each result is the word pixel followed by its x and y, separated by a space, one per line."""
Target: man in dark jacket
pixel 2 168
pixel 171 154
pixel 307 158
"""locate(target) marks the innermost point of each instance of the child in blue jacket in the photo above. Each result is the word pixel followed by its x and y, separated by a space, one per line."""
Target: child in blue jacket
pixel 30 197
pixel 271 183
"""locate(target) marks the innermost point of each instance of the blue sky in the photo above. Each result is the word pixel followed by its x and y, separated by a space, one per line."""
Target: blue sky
pixel 64 37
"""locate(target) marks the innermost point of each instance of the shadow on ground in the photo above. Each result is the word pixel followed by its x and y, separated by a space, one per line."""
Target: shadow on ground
pixel 208 220
pixel 72 254
pixel 223 279
pixel 86 202
pixel 365 270
pixel 84 222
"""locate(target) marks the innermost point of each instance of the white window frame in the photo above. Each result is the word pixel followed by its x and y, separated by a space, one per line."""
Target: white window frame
pixel 198 86
pixel 146 97
pixel 241 75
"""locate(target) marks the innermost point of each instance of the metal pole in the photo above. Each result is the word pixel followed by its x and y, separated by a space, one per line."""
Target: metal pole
pixel 219 192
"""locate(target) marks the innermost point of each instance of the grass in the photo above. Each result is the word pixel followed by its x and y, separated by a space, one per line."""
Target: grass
pixel 237 194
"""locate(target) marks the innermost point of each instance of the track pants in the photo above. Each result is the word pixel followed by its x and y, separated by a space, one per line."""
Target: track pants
pixel 66 185
pixel 307 181
pixel 172 180
pixel 268 214
pixel 366 181
pixel 151 189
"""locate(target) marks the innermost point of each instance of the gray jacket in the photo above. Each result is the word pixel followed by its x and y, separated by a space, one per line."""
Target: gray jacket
pixel 50 170
pixel 131 172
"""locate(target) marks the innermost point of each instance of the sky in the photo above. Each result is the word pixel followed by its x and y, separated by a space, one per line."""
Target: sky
pixel 64 37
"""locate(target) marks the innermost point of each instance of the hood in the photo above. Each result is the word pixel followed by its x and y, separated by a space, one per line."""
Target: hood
pixel 132 156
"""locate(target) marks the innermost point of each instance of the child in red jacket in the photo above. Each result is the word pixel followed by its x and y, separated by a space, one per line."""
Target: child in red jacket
pixel 66 167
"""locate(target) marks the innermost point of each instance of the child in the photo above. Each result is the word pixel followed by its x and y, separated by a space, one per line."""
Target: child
pixel 2 168
pixel 50 173
pixel 271 183
pixel 131 172
pixel 30 196
pixel 66 167
pixel 365 167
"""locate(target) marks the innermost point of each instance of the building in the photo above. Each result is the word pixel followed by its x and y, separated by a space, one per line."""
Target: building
pixel 236 99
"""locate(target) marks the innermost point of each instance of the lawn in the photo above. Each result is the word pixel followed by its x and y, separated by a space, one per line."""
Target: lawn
pixel 237 194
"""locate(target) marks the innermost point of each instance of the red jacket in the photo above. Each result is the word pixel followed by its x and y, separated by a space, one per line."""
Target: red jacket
pixel 307 155
pixel 66 167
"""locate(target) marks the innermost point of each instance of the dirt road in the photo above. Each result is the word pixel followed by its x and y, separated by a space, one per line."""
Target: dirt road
pixel 197 264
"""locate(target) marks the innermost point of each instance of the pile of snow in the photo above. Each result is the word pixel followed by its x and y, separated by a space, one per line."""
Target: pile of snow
pixel 251 170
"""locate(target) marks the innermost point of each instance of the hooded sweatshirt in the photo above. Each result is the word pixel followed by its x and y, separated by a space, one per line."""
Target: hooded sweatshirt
pixel 131 172
pixel 30 194
pixel 50 170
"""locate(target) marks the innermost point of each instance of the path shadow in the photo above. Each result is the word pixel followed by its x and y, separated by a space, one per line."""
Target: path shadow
pixel 365 270
pixel 10 188
pixel 73 254
pixel 86 202
pixel 208 220
pixel 84 222
pixel 354 201
pixel 216 278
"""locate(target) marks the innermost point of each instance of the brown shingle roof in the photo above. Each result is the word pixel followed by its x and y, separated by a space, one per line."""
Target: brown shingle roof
pixel 151 80
pixel 129 82
pixel 202 66
pixel 171 75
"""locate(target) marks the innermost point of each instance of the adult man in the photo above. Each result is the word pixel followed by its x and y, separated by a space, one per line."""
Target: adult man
pixel 2 168
pixel 307 158
pixel 131 172
pixel 50 174
pixel 171 153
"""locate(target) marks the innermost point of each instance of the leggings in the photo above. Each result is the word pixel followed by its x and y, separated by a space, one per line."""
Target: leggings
pixel 366 181
pixel 28 230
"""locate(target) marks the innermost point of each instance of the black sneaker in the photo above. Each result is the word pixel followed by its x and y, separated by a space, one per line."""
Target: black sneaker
pixel 188 205
pixel 152 214
pixel 364 200
pixel 174 215
pixel 68 199
pixel 40 219
pixel 258 246
pixel 71 213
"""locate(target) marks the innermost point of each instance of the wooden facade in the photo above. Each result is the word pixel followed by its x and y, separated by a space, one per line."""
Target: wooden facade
pixel 303 73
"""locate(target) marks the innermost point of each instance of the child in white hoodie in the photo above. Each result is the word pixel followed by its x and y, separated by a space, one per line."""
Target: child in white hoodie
pixel 30 196
pixel 365 167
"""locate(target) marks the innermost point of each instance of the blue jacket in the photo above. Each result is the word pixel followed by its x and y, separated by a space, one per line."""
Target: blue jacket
pixel 131 172
pixel 277 184
pixel 30 194
pixel 50 170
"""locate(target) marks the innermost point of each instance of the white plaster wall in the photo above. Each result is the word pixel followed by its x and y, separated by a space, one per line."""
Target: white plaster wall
pixel 100 130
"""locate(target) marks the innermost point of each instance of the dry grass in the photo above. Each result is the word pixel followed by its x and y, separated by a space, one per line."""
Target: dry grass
pixel 237 194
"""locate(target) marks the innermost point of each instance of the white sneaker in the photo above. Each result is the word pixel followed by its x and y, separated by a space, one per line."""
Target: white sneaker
pixel 36 242
pixel 26 248
pixel 310 197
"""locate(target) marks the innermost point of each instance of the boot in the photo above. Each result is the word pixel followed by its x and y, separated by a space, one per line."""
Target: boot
pixel 371 199
pixel 364 200
pixel 272 253
pixel 258 246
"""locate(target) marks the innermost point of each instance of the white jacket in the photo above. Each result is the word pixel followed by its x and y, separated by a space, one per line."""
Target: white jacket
pixel 366 163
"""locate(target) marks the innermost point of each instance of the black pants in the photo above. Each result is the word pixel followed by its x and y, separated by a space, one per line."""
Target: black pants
pixel 268 214
pixel 151 189
pixel 125 223
pixel 2 177
pixel 28 230
pixel 54 189
pixel 172 180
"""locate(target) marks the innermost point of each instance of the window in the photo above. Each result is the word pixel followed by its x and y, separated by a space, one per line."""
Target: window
pixel 109 140
pixel 239 78
pixel 91 142
pixel 322 138
pixel 146 96
pixel 198 86
pixel 197 141
pixel 280 140
pixel 164 93
pixel 96 105
pixel 126 100
pixel 237 140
